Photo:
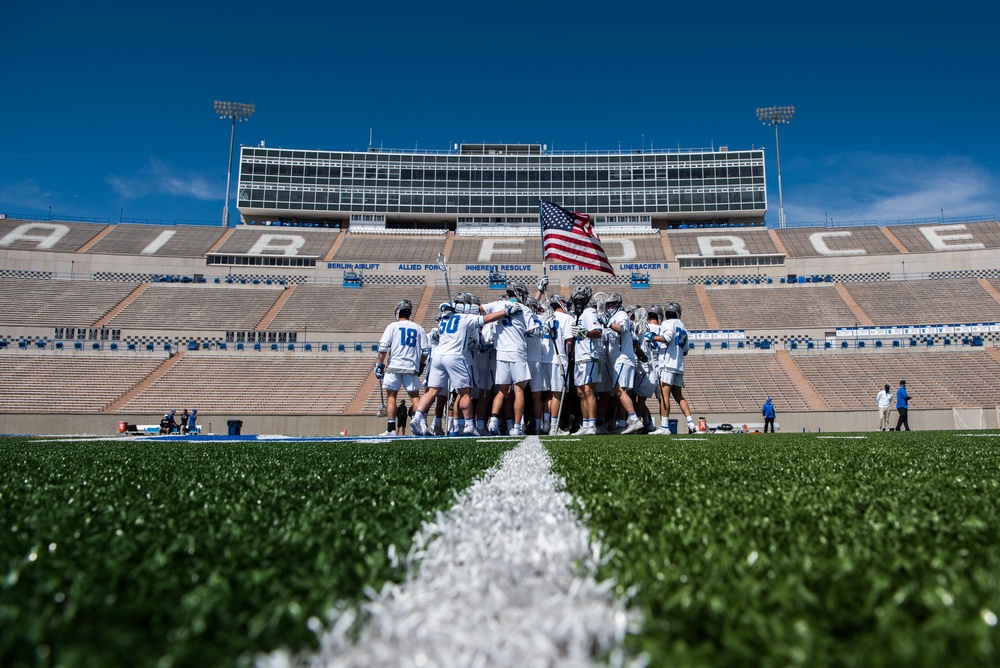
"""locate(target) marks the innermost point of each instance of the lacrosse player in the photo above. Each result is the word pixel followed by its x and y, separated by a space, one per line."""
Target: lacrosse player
pixel 404 347
pixel 587 358
pixel 672 342
pixel 621 354
pixel 512 358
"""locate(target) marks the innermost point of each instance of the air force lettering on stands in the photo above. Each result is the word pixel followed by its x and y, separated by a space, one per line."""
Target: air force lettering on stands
pixel 507 247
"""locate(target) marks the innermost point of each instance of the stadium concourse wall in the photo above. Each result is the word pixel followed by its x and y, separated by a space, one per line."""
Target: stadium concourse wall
pixel 361 425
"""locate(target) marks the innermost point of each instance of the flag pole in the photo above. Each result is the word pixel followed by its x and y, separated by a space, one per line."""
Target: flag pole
pixel 541 232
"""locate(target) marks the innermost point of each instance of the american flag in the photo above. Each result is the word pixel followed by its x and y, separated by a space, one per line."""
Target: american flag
pixel 568 236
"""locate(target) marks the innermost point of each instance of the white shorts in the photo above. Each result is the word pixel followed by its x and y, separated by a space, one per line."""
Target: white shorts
pixel 644 385
pixel 408 381
pixel 624 374
pixel 557 381
pixel 541 376
pixel 672 378
pixel 510 373
pixel 587 373
pixel 451 369
pixel 607 381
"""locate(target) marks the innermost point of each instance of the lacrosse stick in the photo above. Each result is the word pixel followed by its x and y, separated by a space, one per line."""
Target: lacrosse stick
pixel 444 268
pixel 381 393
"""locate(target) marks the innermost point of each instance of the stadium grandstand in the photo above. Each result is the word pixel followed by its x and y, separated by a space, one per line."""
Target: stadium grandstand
pixel 275 322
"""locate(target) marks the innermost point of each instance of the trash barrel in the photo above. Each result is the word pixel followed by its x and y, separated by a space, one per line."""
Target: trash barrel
pixel 672 426
pixel 234 427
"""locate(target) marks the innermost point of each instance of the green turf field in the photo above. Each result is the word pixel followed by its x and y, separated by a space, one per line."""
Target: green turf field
pixel 142 554
pixel 748 550
pixel 879 549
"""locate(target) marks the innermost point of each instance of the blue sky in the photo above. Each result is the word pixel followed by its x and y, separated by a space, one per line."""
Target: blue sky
pixel 107 107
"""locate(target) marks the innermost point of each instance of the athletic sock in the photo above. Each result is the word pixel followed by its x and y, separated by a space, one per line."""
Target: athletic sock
pixel 390 425
pixel 480 424
pixel 538 425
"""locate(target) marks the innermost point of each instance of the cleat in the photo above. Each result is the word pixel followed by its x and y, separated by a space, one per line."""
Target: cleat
pixel 471 431
pixel 419 428
pixel 692 430
pixel 556 431
pixel 387 434
pixel 438 431
pixel 493 427
pixel 633 426
pixel 516 431
pixel 662 431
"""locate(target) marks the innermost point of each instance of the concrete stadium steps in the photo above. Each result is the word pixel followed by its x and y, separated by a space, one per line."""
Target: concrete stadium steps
pixel 333 308
pixel 807 306
pixel 197 307
pixel 170 241
pixel 391 248
pixel 57 303
pixel 926 301
pixel 871 240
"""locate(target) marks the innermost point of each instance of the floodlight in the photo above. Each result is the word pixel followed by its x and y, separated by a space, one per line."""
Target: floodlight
pixel 234 111
pixel 775 116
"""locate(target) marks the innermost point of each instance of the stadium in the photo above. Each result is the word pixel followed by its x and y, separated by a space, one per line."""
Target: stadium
pixel 273 322
pixel 307 541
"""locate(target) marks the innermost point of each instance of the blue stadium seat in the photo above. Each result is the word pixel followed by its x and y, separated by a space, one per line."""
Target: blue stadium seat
pixel 843 344
pixel 22 344
pixel 765 344
pixel 724 345
pixel 827 345
pixel 861 344
pixel 222 345
pixel 308 347
pixel 166 346
pixel 59 345
pixel 708 345
pixel 341 347
pixel 114 347
pixel 239 346
pixel 947 341
pixel 291 347
pixel 977 341
pixel 95 346
pixel 274 347
pixel 930 342
pixel 794 345
pixel 878 343
pixel 374 347
pixel 40 344
pixel 325 348
pixel 256 346
pixel 810 345
pixel 739 345
pixel 131 346
pixel 357 347
pixel 895 344
pixel 913 343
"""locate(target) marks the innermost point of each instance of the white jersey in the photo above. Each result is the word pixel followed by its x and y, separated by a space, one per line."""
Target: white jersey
pixel 672 351
pixel 560 330
pixel 455 332
pixel 406 343
pixel 625 352
pixel 587 349
pixel 534 345
pixel 510 343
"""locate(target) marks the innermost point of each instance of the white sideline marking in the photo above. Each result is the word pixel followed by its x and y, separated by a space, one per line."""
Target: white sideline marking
pixel 505 577
pixel 858 438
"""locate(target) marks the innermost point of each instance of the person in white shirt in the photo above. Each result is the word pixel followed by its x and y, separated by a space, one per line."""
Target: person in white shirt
pixel 586 357
pixel 560 328
pixel 672 340
pixel 450 365
pixel 402 354
pixel 512 358
pixel 622 357
pixel 884 400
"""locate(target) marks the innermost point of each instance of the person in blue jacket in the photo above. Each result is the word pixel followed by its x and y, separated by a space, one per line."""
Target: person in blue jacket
pixel 767 410
pixel 902 406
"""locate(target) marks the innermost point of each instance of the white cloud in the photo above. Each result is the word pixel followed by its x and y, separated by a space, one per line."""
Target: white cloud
pixel 160 179
pixel 872 187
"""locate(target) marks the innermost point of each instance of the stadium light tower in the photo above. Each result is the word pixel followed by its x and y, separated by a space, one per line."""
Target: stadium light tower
pixel 776 116
pixel 236 111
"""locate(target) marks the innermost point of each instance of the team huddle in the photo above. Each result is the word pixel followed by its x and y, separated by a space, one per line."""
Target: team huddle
pixel 493 358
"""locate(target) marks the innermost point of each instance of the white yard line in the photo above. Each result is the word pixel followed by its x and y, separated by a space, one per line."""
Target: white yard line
pixel 504 578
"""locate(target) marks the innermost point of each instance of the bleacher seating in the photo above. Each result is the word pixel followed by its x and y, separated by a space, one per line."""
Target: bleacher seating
pixel 265 383
pixel 316 242
pixel 870 239
pixel 739 382
pixel 925 301
pixel 77 235
pixel 194 307
pixel 986 233
pixel 185 240
pixel 60 382
pixel 390 248
pixel 332 308
pixel 757 241
pixel 778 307
pixel 54 303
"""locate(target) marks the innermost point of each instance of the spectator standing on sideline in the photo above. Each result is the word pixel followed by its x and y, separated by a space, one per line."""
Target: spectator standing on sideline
pixel 902 406
pixel 767 410
pixel 183 422
pixel 192 420
pixel 884 401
